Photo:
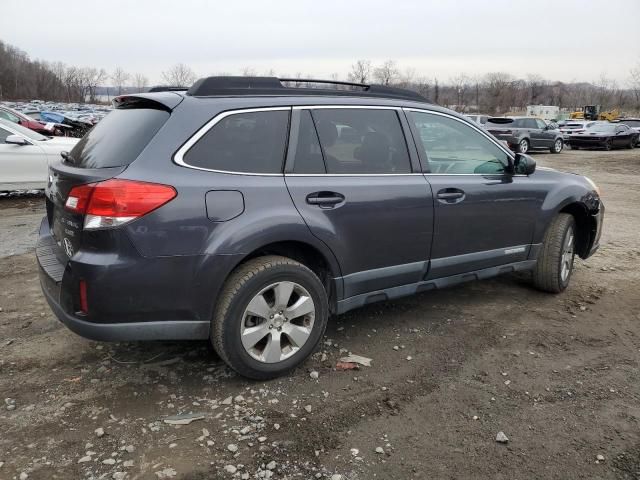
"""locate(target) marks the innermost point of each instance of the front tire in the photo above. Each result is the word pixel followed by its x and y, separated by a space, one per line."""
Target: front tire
pixel 555 262
pixel 271 314
pixel 557 146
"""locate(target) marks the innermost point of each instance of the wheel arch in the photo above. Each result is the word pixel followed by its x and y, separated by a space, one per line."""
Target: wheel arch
pixel 323 264
pixel 584 227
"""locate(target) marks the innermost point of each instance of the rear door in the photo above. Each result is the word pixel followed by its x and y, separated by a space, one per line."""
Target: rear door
pixel 484 216
pixel 356 183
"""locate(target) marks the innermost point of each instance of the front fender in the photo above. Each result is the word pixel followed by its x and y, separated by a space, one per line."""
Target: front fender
pixel 571 189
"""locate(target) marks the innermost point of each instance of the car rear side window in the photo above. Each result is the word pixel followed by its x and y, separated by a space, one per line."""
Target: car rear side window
pixel 247 142
pixel 118 139
pixel 362 141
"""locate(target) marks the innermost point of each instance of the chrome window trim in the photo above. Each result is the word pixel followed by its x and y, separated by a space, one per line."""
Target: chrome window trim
pixel 340 107
pixel 178 157
pixel 412 174
pixel 478 129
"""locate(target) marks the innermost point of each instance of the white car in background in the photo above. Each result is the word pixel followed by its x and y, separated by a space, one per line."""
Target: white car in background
pixel 25 156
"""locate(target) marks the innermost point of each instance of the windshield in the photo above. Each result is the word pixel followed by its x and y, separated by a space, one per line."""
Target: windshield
pixel 25 132
pixel 602 127
pixel 118 139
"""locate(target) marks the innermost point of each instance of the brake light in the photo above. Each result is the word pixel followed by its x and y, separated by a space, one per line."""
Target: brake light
pixel 115 202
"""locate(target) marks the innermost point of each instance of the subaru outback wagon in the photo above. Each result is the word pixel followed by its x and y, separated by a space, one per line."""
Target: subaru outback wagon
pixel 247 211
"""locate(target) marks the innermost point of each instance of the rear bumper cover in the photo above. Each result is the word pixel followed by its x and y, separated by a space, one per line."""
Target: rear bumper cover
pixel 132 297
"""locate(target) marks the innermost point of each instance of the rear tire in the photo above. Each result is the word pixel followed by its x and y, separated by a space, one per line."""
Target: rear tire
pixel 555 261
pixel 557 146
pixel 608 145
pixel 254 331
pixel 523 146
pixel 631 144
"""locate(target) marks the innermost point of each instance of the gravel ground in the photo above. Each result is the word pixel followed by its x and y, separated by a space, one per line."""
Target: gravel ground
pixel 557 374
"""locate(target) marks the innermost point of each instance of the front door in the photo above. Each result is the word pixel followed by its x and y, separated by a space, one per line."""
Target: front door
pixel 484 216
pixel 353 180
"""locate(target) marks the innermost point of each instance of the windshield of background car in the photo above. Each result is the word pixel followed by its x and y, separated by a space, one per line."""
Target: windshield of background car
pixel 602 128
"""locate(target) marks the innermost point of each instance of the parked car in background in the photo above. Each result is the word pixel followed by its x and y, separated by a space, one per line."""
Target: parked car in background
pixel 478 118
pixel 245 212
pixel 26 121
pixel 526 133
pixel 25 156
pixel 633 123
pixel 605 135
pixel 573 126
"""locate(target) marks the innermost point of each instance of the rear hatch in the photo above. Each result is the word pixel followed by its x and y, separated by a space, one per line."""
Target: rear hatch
pixel 499 126
pixel 103 153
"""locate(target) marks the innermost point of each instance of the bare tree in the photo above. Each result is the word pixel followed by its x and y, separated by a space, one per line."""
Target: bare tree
pixel 118 78
pixel 634 83
pixel 179 75
pixel 360 71
pixel 461 84
pixel 536 85
pixel 499 95
pixel 90 78
pixel 248 72
pixel 387 73
pixel 140 81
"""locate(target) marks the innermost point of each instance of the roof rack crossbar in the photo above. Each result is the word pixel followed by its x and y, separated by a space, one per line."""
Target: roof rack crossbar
pixel 239 86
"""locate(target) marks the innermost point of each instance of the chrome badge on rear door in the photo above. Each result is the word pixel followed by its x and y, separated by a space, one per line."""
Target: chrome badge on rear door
pixel 68 247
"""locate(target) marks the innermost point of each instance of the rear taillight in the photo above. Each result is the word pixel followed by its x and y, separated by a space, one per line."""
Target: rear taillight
pixel 115 202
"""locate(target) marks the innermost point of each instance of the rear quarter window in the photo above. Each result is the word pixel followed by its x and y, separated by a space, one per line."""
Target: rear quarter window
pixel 246 142
pixel 118 139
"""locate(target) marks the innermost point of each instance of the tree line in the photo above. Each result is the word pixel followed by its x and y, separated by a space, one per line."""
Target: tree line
pixel 493 93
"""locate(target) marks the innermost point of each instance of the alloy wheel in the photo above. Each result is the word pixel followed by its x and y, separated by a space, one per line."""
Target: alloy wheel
pixel 277 322
pixel 567 256
pixel 524 146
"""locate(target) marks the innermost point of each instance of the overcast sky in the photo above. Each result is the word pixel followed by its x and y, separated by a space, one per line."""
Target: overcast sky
pixel 558 39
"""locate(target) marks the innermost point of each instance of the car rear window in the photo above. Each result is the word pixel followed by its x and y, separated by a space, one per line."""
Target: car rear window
pixel 632 123
pixel 247 142
pixel 118 139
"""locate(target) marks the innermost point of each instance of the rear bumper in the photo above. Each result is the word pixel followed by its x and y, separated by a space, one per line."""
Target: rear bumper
pixel 131 297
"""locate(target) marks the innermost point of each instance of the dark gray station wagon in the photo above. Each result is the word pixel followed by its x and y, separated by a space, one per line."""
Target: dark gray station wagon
pixel 245 211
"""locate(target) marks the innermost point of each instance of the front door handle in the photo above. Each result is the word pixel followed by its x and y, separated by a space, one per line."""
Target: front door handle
pixel 325 199
pixel 450 195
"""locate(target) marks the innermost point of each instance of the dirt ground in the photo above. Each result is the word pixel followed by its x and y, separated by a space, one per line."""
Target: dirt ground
pixel 558 374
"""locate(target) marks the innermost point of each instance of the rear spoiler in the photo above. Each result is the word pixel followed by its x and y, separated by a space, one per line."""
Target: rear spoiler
pixel 498 120
pixel 161 100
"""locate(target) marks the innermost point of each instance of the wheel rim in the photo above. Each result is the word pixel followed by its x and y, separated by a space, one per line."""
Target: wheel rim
pixel 567 256
pixel 277 322
pixel 558 145
pixel 524 146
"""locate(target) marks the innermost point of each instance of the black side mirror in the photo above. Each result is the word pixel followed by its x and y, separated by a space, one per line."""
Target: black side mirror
pixel 523 164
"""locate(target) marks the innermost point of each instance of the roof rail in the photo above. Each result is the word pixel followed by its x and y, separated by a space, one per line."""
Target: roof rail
pixel 166 88
pixel 238 86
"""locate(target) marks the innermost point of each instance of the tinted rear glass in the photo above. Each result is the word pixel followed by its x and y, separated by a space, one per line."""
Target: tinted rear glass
pixel 118 139
pixel 249 142
pixel 632 123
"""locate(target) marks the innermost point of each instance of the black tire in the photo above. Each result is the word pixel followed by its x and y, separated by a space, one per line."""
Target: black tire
pixel 555 148
pixel 523 146
pixel 631 144
pixel 240 288
pixel 547 275
pixel 608 144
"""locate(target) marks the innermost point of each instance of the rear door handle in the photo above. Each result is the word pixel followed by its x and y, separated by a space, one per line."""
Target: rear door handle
pixel 325 199
pixel 450 195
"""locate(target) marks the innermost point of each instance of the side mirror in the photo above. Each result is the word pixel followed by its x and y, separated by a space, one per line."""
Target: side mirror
pixel 16 140
pixel 523 164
